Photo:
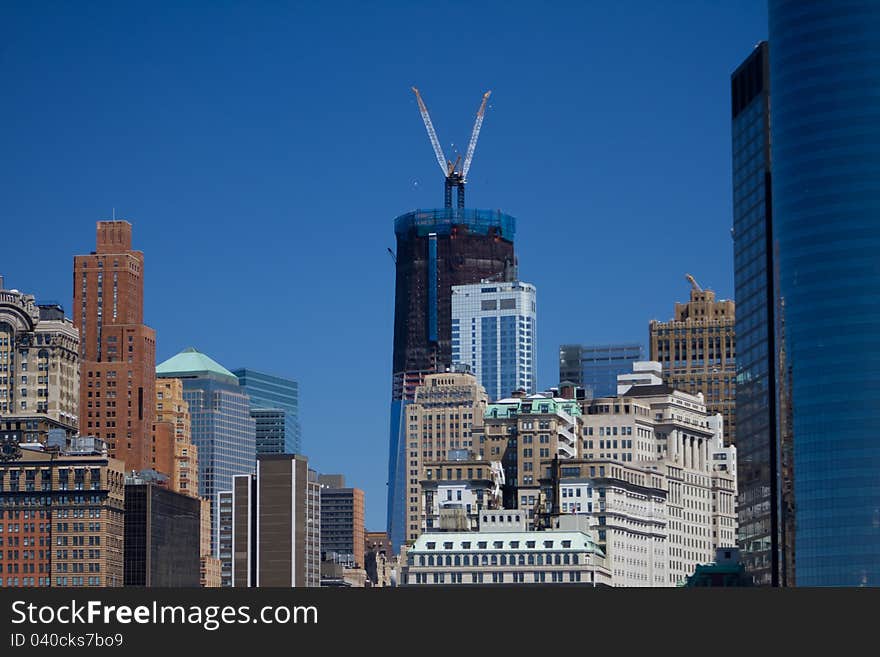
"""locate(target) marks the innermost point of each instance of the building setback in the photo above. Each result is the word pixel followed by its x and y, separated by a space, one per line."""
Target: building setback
pixel 493 333
pixel 117 350
pixel 39 368
pixel 161 536
pixel 62 509
pixel 276 524
pixel 697 349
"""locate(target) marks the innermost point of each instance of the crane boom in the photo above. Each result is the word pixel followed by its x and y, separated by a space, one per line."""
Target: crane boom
pixel 441 158
pixel 693 282
pixel 474 135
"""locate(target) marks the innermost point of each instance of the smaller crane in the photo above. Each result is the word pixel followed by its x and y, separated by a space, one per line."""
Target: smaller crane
pixel 693 282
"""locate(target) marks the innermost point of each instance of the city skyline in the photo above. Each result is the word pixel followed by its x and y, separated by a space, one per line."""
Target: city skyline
pixel 243 195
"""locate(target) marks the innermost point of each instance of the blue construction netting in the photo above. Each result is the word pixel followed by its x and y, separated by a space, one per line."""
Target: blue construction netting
pixel 441 221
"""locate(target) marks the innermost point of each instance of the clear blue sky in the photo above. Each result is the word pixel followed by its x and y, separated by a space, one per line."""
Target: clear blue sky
pixel 262 150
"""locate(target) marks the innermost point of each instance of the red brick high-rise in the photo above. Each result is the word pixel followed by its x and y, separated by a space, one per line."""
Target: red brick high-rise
pixel 117 351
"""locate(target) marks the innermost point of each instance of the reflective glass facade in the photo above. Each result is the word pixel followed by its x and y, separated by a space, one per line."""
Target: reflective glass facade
pixel 756 393
pixel 825 122
pixel 278 432
pixel 493 334
pixel 595 367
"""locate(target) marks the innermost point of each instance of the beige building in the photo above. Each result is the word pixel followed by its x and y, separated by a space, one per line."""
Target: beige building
pixel 503 551
pixel 209 565
pixel 445 414
pixel 697 349
pixel 523 431
pixel 62 511
pixel 176 455
pixel 653 427
pixel 39 367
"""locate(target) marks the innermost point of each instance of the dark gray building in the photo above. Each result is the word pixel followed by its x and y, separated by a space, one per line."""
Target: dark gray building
pixel 161 536
pixel 276 536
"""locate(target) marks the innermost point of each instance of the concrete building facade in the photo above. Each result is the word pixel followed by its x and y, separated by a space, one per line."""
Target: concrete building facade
pixel 504 552
pixel 276 524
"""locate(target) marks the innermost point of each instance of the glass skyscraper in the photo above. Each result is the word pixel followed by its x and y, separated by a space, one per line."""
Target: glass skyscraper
pixel 595 367
pixel 274 404
pixel 762 436
pixel 493 333
pixel 825 124
pixel 222 427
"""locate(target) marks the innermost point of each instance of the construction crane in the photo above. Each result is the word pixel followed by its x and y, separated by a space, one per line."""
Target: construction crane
pixel 455 177
pixel 693 283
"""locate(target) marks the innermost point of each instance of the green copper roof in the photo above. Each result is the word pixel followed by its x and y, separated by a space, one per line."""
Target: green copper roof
pixel 191 362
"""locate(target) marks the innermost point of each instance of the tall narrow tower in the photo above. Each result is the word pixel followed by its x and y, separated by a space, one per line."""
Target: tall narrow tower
pixel 117 350
pixel 436 250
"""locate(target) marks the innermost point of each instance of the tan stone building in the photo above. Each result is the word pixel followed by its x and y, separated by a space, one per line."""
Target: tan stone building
pixel 62 511
pixel 39 367
pixel 697 349
pixel 445 415
pixel 454 492
pixel 209 565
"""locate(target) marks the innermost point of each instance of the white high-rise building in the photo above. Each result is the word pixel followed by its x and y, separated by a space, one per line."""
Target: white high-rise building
pixel 493 333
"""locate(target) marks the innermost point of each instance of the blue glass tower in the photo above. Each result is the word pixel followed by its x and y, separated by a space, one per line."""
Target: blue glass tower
pixel 595 367
pixel 274 403
pixel 825 125
pixel 222 427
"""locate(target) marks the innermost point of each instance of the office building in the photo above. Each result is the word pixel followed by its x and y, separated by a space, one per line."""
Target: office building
pixel 523 431
pixel 697 349
pixel 594 368
pixel 826 157
pixel 763 435
pixel 503 551
pixel 39 367
pixel 493 333
pixel 276 524
pixel 623 506
pixel 161 536
pixel 223 536
pixel 62 510
pixel 173 451
pixel 342 522
pixel 223 430
pixel 274 404
pixel 652 427
pixel 210 566
pixel 436 250
pixel 117 350
pixel 445 414
pixel 454 491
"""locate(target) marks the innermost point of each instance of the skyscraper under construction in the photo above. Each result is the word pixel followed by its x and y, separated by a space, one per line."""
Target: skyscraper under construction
pixel 436 249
